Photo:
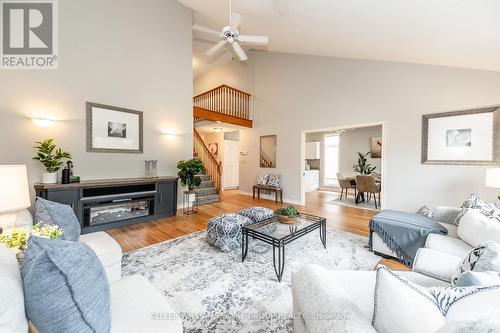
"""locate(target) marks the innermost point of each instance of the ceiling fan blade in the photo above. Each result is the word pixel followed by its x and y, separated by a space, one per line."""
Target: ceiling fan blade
pixel 251 39
pixel 206 30
pixel 239 51
pixel 214 49
pixel 235 22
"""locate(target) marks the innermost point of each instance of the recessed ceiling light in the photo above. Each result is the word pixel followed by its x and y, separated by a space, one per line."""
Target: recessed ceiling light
pixel 218 129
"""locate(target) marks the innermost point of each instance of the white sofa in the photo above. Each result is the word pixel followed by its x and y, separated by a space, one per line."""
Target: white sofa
pixel 339 301
pixel 135 305
pixel 442 253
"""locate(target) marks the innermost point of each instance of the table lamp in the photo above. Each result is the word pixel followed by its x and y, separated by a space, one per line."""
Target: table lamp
pixel 14 197
pixel 493 178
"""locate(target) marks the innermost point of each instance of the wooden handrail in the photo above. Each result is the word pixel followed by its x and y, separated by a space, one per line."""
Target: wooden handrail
pixel 225 100
pixel 223 85
pixel 212 166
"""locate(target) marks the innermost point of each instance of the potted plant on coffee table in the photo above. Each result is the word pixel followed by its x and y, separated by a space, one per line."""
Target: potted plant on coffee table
pixel 51 158
pixel 287 215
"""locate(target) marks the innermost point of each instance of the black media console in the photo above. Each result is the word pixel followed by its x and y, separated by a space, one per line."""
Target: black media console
pixel 106 204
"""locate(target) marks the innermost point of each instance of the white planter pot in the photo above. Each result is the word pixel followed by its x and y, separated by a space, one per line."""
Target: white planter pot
pixel 49 177
pixel 192 197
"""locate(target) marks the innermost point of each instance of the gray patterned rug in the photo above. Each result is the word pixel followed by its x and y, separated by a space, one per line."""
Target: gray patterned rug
pixel 215 292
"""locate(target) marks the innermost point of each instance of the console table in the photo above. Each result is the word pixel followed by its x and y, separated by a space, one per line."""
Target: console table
pixel 112 203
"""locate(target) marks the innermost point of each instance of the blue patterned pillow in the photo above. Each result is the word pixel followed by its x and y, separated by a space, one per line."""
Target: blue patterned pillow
pixel 274 180
pixel 65 287
pixel 262 179
pixel 49 212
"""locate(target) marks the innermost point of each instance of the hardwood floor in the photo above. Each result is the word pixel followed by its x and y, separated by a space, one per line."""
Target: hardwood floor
pixel 338 217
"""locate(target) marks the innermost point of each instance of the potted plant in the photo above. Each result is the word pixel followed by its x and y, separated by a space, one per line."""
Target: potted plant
pixel 363 167
pixel 52 159
pixel 287 215
pixel 189 171
pixel 18 239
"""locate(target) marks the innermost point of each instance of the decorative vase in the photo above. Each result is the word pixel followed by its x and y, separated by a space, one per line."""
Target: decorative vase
pixel 49 177
pixel 286 219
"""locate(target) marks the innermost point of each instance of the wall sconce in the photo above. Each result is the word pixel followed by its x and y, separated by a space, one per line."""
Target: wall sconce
pixel 169 134
pixel 41 122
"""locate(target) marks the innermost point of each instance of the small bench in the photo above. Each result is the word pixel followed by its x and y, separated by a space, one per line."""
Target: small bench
pixel 277 190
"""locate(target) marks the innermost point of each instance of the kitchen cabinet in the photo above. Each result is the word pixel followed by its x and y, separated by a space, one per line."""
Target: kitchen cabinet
pixel 313 150
pixel 311 180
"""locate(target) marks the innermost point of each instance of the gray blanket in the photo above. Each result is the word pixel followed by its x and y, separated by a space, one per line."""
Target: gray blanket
pixel 404 233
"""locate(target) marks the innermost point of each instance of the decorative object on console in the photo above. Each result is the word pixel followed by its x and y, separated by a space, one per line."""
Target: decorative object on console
pixel 468 137
pixel 52 159
pixel 18 239
pixel 493 179
pixel 14 197
pixel 151 168
pixel 287 215
pixel 376 147
pixel 112 129
pixel 268 151
pixel 362 166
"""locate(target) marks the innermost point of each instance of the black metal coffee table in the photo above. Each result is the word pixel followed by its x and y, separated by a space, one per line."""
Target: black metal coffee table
pixel 277 234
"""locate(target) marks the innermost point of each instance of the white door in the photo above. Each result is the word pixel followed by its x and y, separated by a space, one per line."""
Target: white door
pixel 230 165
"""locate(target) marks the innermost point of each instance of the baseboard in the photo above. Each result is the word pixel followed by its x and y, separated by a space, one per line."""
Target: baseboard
pixel 271 198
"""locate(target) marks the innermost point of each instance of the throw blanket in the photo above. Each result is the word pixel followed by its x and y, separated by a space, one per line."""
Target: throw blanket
pixel 404 233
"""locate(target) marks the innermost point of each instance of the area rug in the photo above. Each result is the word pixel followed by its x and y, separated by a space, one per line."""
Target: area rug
pixel 350 202
pixel 215 292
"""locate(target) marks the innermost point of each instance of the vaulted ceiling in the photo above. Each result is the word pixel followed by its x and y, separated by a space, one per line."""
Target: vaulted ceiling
pixel 457 33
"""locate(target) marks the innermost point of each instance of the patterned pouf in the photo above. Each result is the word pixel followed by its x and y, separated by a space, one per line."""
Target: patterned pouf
pixel 224 231
pixel 257 214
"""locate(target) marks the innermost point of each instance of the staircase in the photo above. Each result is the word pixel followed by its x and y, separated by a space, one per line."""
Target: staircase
pixel 207 192
pixel 222 104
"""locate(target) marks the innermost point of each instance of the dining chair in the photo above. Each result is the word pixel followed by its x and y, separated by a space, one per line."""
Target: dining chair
pixel 345 184
pixel 366 184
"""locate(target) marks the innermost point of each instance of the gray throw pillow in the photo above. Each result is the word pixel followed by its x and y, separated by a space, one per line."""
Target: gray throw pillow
pixel 484 258
pixel 49 212
pixel 426 211
pixel 65 287
pixel 478 279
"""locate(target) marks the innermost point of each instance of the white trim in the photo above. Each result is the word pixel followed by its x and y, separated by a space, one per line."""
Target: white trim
pixel 382 162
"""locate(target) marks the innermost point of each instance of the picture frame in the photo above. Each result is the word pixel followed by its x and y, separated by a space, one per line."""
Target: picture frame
pixel 112 129
pixel 466 137
pixel 268 151
pixel 376 147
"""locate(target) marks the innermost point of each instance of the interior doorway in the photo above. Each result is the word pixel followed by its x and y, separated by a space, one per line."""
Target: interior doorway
pixel 335 158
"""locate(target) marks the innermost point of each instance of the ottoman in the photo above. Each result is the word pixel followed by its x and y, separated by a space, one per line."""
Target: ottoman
pixel 224 231
pixel 258 214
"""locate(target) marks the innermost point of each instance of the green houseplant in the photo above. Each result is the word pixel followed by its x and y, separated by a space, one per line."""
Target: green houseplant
pixel 51 158
pixel 362 166
pixel 18 238
pixel 189 171
pixel 287 215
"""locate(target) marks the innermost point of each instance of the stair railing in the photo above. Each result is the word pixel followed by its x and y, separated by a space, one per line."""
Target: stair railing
pixel 225 100
pixel 212 166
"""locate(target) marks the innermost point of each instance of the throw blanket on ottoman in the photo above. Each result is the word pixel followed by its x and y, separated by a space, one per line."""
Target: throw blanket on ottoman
pixel 404 233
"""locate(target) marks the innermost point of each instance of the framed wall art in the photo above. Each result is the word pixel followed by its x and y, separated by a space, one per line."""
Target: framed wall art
pixel 468 137
pixel 376 147
pixel 111 129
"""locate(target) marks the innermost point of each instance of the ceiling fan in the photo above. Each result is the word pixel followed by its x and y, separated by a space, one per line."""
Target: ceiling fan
pixel 231 36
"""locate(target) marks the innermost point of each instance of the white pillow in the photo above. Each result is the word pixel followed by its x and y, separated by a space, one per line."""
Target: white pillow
pixel 402 306
pixel 475 228
pixel 12 315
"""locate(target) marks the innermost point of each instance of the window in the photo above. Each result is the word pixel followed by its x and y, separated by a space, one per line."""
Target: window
pixel 332 143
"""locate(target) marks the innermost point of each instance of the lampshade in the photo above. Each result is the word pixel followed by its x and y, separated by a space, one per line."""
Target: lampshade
pixel 492 178
pixel 14 190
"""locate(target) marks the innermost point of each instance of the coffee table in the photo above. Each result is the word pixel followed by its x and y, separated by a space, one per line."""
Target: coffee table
pixel 277 234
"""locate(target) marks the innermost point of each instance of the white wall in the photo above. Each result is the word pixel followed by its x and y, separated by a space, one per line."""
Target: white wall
pixel 126 53
pixel 354 141
pixel 295 93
